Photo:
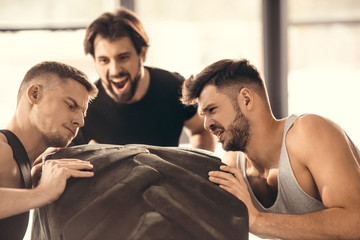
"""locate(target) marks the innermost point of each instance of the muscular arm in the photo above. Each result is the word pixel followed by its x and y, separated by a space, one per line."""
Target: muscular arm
pixel 199 137
pixel 15 201
pixel 52 183
pixel 324 150
pixel 332 223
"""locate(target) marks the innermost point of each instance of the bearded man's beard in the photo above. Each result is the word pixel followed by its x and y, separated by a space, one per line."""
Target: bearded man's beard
pixel 127 96
pixel 239 132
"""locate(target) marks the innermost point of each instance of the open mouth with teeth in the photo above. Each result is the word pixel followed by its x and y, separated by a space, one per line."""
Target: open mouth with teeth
pixel 218 134
pixel 119 84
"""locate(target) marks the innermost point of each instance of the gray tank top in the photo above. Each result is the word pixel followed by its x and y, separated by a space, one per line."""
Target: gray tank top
pixel 291 199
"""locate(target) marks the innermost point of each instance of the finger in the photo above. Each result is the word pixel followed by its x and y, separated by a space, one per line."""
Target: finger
pixel 71 160
pixel 38 160
pixel 80 174
pixel 67 161
pixel 233 170
pixel 46 152
pixel 215 180
pixel 37 163
pixel 35 174
pixel 227 168
pixel 229 189
pixel 220 181
pixel 220 174
pixel 92 141
pixel 36 169
pixel 76 165
pixel 52 150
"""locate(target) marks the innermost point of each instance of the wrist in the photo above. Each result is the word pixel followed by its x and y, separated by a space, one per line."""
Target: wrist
pixel 254 218
pixel 41 196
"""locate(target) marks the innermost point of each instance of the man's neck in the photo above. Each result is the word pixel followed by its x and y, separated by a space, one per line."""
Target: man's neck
pixel 143 86
pixel 30 139
pixel 265 145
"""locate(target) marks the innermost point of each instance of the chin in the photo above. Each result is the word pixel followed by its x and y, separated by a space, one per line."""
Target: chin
pixel 120 98
pixel 64 142
pixel 56 140
pixel 61 144
pixel 226 147
pixel 67 142
pixel 233 147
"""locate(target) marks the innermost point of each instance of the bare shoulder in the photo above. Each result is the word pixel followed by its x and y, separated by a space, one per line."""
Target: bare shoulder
pixel 312 123
pixel 9 172
pixel 313 135
pixel 8 169
pixel 321 156
pixel 5 150
pixel 311 128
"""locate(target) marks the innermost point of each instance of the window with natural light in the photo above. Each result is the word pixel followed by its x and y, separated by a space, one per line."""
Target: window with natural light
pixel 185 36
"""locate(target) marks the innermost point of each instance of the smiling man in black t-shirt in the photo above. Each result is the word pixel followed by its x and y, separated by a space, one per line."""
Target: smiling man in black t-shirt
pixel 136 104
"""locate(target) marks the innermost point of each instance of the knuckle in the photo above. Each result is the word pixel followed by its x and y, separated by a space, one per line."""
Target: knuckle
pixel 51 163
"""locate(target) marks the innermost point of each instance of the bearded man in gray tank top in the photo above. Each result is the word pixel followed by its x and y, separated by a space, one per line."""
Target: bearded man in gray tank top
pixel 299 176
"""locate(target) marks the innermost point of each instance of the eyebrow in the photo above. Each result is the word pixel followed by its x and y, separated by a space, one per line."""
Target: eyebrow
pixel 125 53
pixel 206 108
pixel 77 106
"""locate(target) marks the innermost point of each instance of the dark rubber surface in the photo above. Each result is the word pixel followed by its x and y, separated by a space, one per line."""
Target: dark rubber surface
pixel 142 192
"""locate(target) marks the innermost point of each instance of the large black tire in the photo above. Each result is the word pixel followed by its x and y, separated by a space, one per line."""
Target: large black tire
pixel 142 192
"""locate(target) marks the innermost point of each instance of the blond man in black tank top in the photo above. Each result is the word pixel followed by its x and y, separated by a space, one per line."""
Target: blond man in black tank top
pixel 52 101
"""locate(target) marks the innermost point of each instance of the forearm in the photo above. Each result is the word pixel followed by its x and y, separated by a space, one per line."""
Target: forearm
pixel 335 223
pixel 14 201
pixel 204 140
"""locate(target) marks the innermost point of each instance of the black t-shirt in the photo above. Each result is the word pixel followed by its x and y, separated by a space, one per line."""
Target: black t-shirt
pixel 157 119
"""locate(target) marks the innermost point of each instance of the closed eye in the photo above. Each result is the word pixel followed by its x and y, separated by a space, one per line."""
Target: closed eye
pixel 70 105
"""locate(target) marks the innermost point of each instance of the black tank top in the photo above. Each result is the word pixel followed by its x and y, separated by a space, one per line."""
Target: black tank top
pixel 13 228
